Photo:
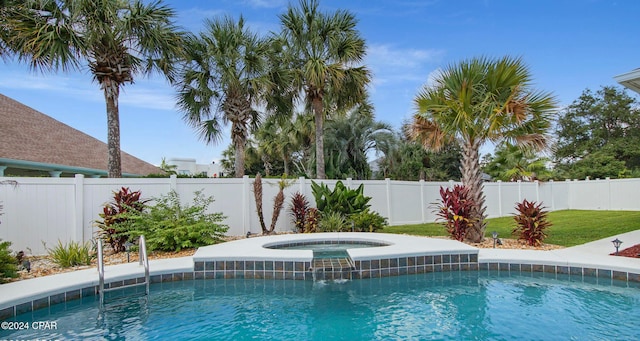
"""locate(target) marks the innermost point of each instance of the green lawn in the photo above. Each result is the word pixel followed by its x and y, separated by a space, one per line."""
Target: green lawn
pixel 570 227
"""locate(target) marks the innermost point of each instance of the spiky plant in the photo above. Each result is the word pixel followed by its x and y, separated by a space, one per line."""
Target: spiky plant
pixel 531 221
pixel 298 210
pixel 455 209
pixel 312 220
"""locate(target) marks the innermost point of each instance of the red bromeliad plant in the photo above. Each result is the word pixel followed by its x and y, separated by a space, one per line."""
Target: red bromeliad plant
pixel 112 216
pixel 298 210
pixel 531 221
pixel 455 209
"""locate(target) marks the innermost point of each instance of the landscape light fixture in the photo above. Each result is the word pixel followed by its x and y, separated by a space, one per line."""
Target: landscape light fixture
pixel 127 248
pixel 248 234
pixel 494 234
pixel 616 243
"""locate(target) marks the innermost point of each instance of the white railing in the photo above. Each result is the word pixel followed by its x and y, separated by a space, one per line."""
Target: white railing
pixel 46 210
pixel 143 261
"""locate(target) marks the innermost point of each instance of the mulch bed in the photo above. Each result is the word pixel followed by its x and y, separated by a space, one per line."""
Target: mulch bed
pixel 633 252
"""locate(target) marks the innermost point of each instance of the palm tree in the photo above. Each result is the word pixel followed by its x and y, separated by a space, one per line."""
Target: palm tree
pixel 351 138
pixel 117 39
pixel 476 101
pixel 225 76
pixel 513 163
pixel 323 49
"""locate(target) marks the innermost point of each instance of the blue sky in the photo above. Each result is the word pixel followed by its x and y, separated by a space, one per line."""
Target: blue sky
pixel 568 45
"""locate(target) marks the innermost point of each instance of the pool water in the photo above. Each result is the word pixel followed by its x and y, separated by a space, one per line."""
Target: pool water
pixel 443 306
pixel 325 250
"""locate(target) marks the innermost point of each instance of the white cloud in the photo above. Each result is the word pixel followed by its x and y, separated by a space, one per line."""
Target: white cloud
pixel 266 3
pixel 390 63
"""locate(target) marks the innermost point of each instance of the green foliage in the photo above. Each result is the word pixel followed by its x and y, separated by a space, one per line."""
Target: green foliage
pixel 72 254
pixel 407 160
pixel 455 209
pixel 114 215
pixel 298 210
pixel 598 135
pixel 367 221
pixel 342 199
pixel 332 221
pixel 513 163
pixel 350 138
pixel 531 222
pixel 170 226
pixel 8 266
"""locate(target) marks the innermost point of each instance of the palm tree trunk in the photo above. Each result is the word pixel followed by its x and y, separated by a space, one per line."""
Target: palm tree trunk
pixel 285 163
pixel 239 162
pixel 316 105
pixel 472 179
pixel 111 94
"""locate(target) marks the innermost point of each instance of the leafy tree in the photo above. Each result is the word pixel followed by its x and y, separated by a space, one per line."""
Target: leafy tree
pixel 350 139
pixel 476 101
pixel 322 51
pixel 117 39
pixel 225 76
pixel 405 159
pixel 513 163
pixel 599 130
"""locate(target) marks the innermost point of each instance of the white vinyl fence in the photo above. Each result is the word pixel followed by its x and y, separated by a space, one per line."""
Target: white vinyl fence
pixel 45 210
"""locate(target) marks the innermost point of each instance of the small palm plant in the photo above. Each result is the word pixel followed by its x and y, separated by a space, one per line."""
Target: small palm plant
pixel 531 222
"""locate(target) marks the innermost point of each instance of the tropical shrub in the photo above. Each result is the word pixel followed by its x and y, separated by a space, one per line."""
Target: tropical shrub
pixel 170 226
pixel 72 254
pixel 114 215
pixel 341 199
pixel 333 222
pixel 8 266
pixel 312 220
pixel 298 210
pixel 455 209
pixel 531 222
pixel 367 221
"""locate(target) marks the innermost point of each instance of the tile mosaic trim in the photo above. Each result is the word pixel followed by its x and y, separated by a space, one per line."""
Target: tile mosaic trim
pixel 364 269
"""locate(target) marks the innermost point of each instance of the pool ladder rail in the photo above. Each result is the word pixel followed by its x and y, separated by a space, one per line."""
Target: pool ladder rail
pixel 144 261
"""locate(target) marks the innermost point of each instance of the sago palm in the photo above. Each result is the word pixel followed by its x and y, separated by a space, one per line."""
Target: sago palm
pixel 118 39
pixel 223 80
pixel 476 101
pixel 324 51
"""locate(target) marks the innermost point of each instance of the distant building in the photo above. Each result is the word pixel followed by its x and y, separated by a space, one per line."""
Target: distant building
pixel 186 166
pixel 34 144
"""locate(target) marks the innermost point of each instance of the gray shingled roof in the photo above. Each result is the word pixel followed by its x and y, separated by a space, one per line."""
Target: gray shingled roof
pixel 29 135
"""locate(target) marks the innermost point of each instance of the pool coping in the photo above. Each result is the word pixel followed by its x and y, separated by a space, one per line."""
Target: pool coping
pixel 32 294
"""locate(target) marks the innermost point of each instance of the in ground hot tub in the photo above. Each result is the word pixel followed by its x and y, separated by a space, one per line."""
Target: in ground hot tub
pixel 371 255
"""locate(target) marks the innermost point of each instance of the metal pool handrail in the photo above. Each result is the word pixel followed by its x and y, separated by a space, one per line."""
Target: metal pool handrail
pixel 144 261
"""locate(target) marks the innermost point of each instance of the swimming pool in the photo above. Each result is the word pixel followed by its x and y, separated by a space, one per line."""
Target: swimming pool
pixel 446 305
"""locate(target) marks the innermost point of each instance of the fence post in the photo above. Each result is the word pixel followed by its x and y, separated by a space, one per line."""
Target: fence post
pixel 388 191
pixel 608 193
pixel 302 186
pixel 553 197
pixel 173 183
pixel 422 205
pixel 78 205
pixel 246 208
pixel 537 191
pixel 499 182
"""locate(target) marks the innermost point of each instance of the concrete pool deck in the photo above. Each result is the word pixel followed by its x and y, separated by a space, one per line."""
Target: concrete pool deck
pixel 591 259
